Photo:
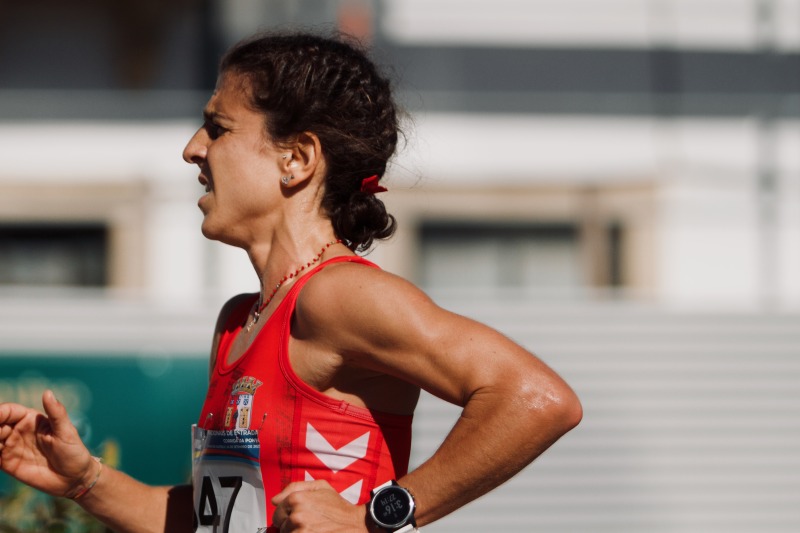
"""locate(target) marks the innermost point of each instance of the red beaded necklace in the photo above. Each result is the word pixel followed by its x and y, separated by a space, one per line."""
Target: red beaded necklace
pixel 263 304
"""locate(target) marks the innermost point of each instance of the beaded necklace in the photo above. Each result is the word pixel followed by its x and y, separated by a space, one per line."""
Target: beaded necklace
pixel 263 304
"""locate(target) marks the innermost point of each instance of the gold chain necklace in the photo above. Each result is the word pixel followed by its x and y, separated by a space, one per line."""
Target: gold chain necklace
pixel 263 304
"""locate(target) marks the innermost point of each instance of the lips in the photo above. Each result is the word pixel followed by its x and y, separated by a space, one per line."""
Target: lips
pixel 205 182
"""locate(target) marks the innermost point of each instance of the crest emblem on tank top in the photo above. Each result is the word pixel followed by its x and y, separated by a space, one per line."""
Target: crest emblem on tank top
pixel 238 413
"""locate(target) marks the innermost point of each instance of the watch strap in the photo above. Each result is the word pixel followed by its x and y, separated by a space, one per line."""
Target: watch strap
pixel 387 484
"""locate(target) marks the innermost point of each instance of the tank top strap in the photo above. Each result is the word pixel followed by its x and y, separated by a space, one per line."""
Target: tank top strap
pixel 299 284
pixel 241 311
pixel 233 324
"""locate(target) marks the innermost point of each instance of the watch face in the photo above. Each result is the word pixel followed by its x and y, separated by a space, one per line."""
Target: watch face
pixel 391 507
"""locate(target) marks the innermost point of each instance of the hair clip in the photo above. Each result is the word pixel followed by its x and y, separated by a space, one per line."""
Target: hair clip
pixel 370 185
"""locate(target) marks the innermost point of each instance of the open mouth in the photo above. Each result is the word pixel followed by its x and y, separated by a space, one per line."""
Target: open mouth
pixel 205 182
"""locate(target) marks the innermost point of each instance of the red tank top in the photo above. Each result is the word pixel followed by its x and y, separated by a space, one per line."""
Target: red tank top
pixel 260 420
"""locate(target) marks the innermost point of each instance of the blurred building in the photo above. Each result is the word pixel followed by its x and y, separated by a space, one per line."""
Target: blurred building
pixel 631 152
pixel 645 146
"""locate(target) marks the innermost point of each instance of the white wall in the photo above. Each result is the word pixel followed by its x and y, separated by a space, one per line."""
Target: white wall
pixel 707 24
pixel 720 245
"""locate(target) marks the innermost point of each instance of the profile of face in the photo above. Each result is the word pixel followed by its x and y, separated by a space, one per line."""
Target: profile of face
pixel 240 168
pixel 312 92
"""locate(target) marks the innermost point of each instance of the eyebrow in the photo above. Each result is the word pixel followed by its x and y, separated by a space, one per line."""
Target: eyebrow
pixel 209 116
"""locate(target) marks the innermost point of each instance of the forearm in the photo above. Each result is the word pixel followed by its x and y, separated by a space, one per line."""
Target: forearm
pixel 128 506
pixel 493 439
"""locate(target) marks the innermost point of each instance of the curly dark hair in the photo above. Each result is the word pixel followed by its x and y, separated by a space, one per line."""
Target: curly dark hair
pixel 306 82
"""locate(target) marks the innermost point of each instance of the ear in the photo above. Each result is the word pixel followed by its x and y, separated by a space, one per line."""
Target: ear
pixel 302 160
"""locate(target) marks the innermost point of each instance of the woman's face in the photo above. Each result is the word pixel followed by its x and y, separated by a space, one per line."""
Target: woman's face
pixel 239 167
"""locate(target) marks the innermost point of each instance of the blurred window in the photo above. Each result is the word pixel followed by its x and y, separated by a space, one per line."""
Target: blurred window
pixel 471 255
pixel 53 254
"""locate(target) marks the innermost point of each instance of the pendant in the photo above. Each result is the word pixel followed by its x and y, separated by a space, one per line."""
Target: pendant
pixel 252 323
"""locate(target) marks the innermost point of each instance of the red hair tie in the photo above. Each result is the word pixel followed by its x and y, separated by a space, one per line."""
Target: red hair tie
pixel 370 185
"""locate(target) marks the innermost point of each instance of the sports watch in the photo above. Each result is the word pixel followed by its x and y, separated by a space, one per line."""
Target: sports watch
pixel 391 507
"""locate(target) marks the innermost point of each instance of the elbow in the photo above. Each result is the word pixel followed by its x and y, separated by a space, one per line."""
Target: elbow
pixel 571 410
pixel 563 409
pixel 554 405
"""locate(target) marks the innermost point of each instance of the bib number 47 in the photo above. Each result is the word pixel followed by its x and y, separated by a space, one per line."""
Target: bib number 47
pixel 209 512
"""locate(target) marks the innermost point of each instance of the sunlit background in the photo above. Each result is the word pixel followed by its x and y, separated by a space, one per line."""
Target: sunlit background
pixel 615 184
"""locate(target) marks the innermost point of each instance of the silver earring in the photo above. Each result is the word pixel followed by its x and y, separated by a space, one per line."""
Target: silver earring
pixel 286 179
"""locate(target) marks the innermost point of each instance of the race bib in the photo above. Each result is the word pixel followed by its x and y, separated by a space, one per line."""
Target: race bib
pixel 228 487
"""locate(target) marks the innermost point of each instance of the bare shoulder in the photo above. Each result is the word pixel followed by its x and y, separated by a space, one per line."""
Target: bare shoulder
pixel 353 271
pixel 361 297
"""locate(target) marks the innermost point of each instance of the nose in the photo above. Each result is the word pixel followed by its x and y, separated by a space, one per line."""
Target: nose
pixel 195 150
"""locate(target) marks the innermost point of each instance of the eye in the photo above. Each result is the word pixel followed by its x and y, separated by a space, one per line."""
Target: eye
pixel 214 130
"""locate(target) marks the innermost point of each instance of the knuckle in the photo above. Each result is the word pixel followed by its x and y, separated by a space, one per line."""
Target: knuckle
pixel 294 499
pixel 296 521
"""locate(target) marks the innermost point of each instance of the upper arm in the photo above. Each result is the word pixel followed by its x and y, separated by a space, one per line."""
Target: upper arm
pixel 381 322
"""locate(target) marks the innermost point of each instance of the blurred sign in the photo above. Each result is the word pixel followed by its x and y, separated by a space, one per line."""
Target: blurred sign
pixel 142 406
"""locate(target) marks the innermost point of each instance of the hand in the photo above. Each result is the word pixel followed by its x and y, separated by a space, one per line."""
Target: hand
pixel 44 452
pixel 314 506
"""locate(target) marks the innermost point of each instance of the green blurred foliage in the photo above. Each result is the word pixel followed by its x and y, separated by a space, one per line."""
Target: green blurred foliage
pixel 26 510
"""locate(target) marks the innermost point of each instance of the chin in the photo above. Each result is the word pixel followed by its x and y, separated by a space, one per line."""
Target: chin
pixel 210 231
pixel 215 233
pixel 208 234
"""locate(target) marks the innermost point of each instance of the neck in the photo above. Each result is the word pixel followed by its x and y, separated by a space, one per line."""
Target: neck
pixel 290 236
pixel 269 291
pixel 286 258
pixel 286 235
